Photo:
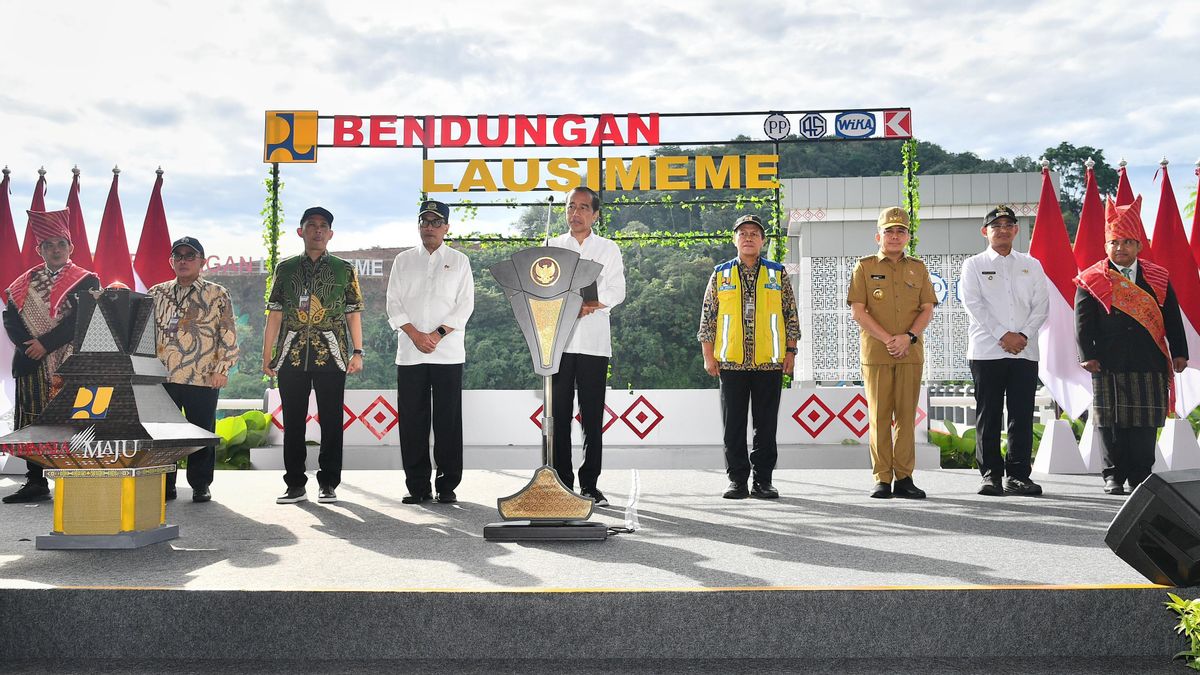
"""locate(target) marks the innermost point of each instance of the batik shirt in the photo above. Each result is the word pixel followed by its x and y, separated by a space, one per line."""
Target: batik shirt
pixel 709 311
pixel 315 298
pixel 197 335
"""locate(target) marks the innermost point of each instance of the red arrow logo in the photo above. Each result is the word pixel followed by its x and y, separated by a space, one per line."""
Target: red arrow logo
pixel 897 124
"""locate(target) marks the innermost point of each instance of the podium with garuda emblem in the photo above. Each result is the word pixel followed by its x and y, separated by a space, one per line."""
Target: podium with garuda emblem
pixel 112 433
pixel 543 286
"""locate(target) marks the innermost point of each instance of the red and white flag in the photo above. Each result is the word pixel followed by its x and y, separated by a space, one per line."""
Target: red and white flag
pixel 1171 250
pixel 1196 226
pixel 1089 238
pixel 29 253
pixel 112 249
pixel 1070 385
pixel 9 250
pixel 150 265
pixel 82 253
pixel 1124 197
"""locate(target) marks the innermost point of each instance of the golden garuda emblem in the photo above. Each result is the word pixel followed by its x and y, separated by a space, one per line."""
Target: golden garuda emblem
pixel 544 271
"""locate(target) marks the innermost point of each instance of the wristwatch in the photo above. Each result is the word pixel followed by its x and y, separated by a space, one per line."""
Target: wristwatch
pixel 912 337
pixel 358 352
pixel 441 331
pixel 791 350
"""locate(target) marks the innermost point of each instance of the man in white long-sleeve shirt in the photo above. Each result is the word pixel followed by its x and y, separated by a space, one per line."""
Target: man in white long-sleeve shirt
pixel 1004 293
pixel 585 358
pixel 430 296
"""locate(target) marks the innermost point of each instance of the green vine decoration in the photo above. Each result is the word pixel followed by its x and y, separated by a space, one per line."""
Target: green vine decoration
pixel 272 213
pixel 912 193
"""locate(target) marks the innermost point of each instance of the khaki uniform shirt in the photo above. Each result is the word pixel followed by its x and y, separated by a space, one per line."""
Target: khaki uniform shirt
pixel 893 293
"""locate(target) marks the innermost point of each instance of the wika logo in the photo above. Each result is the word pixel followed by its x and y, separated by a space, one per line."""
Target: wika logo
pixel 84 444
pixel 854 124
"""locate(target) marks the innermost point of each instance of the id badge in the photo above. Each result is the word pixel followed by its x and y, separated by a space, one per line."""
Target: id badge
pixel 748 311
pixel 304 302
pixel 172 326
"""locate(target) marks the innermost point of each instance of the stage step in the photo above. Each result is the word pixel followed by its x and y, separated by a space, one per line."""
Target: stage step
pixel 804 625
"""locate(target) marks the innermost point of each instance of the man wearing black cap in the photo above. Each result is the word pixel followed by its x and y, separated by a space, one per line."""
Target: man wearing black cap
pixel 430 296
pixel 748 334
pixel 1004 293
pixel 313 339
pixel 197 342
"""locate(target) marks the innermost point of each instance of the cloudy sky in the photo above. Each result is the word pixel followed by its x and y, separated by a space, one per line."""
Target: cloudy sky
pixel 184 85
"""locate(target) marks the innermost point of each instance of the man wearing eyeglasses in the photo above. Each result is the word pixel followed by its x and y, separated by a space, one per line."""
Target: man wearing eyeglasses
pixel 1004 293
pixel 39 317
pixel 584 365
pixel 430 297
pixel 1131 339
pixel 891 297
pixel 197 342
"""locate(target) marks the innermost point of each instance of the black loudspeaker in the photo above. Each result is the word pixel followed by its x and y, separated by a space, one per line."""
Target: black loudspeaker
pixel 1158 530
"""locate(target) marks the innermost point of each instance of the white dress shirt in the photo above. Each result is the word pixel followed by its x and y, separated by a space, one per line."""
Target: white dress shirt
pixel 1003 294
pixel 593 334
pixel 430 290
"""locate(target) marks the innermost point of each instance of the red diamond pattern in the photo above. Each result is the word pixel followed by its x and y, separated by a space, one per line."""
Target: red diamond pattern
pixel 854 415
pixel 813 416
pixel 641 417
pixel 609 418
pixel 380 417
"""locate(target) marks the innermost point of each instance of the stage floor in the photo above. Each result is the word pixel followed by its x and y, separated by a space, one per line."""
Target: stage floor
pixel 823 533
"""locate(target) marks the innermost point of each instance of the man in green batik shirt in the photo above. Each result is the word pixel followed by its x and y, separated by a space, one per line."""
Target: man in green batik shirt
pixel 313 338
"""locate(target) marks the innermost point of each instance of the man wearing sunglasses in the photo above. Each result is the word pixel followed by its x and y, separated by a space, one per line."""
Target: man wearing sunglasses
pixel 430 296
pixel 197 342
pixel 1004 293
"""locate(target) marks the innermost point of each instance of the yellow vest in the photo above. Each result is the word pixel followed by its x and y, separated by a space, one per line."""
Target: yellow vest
pixel 770 338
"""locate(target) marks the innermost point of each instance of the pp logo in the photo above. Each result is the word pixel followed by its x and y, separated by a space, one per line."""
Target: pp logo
pixel 291 136
pixel 91 403
pixel 776 127
pixel 812 126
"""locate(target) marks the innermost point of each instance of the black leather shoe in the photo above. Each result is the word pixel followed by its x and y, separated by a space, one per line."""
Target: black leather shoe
pixel 326 495
pixel 882 491
pixel 416 499
pixel 907 489
pixel 764 491
pixel 447 497
pixel 736 490
pixel 292 496
pixel 1112 487
pixel 29 492
pixel 201 495
pixel 991 488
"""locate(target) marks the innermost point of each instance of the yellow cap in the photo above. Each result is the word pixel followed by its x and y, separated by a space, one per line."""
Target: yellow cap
pixel 891 217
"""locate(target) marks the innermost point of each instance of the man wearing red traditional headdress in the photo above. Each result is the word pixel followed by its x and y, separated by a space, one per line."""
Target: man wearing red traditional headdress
pixel 39 317
pixel 1131 339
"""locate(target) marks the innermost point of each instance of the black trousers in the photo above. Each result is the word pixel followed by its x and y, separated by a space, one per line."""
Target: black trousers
pixel 587 374
pixel 199 406
pixel 430 394
pixel 757 391
pixel 996 380
pixel 1128 453
pixel 294 387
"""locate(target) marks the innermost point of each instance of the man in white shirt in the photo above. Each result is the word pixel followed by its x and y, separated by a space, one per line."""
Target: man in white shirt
pixel 430 296
pixel 585 359
pixel 1004 293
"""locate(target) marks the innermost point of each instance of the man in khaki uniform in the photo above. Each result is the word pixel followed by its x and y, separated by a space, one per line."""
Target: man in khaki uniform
pixel 891 298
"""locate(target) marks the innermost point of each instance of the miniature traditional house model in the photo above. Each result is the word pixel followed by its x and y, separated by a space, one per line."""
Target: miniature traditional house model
pixel 112 433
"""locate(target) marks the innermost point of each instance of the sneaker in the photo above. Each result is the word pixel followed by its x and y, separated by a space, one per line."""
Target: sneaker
pixel 29 492
pixel 764 491
pixel 447 497
pixel 595 495
pixel 1022 486
pixel 907 489
pixel 201 495
pixel 326 496
pixel 416 499
pixel 292 496
pixel 1111 487
pixel 991 488
pixel 736 490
